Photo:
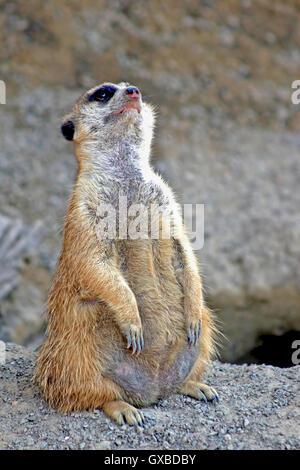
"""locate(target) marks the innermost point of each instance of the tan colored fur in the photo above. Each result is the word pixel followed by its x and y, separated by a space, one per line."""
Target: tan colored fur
pixel 104 289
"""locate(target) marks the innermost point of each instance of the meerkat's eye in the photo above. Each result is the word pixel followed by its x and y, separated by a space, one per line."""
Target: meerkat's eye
pixel 103 94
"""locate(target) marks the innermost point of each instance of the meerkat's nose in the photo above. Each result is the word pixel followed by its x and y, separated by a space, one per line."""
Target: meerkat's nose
pixel 133 92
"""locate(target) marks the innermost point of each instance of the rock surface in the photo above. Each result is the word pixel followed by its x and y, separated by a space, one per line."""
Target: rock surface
pixel 227 136
pixel 259 408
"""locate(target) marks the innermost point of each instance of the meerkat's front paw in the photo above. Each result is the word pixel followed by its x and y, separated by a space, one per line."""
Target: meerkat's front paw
pixel 134 337
pixel 193 331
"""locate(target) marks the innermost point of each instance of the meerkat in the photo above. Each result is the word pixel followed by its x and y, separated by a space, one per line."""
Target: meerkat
pixel 127 323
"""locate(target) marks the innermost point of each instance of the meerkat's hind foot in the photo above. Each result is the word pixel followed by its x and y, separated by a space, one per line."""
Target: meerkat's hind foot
pixel 123 413
pixel 199 391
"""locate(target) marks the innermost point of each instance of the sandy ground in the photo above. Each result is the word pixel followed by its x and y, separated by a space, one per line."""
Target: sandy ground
pixel 258 409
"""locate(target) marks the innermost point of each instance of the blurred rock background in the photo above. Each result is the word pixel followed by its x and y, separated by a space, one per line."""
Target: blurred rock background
pixel 227 136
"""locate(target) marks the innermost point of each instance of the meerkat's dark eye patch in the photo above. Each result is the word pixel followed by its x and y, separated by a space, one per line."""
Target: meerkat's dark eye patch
pixel 68 130
pixel 103 94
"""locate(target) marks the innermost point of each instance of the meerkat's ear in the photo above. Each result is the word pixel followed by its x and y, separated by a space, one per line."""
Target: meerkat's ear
pixel 68 129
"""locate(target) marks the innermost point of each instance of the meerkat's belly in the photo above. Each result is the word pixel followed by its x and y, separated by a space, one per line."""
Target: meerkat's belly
pixel 150 268
pixel 152 375
pixel 152 273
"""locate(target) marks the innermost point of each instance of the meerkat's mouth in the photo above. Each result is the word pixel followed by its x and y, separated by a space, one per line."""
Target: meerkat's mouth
pixel 128 107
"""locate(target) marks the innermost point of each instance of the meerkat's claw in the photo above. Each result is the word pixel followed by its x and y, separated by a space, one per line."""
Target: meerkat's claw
pixel 140 346
pixel 140 418
pixel 203 396
pixel 133 346
pixel 190 337
pixel 215 400
pixel 193 332
pixel 134 337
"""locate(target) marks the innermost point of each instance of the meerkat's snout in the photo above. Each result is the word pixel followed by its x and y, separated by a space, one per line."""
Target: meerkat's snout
pixel 133 101
pixel 133 93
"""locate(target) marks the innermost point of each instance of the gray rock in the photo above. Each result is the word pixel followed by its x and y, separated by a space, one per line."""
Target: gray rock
pixel 227 136
pixel 251 254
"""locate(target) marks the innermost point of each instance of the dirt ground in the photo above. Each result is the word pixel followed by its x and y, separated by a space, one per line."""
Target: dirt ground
pixel 259 408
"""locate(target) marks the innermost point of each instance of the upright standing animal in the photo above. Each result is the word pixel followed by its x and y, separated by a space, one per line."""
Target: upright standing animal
pixel 127 324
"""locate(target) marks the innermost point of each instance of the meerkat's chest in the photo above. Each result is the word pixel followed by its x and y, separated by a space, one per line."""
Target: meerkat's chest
pixel 137 211
pixel 135 190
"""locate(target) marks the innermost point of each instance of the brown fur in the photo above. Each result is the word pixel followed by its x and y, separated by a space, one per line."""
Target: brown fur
pixel 105 290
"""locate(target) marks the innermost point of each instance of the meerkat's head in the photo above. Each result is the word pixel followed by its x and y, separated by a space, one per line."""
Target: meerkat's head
pixel 107 113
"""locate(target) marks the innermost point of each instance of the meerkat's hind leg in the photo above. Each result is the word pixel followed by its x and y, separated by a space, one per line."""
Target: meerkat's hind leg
pixel 122 413
pixel 199 391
